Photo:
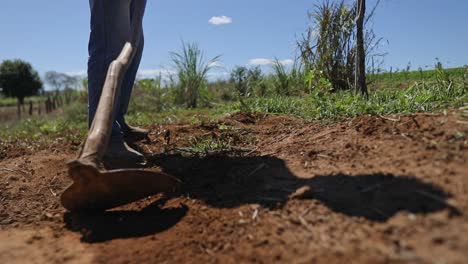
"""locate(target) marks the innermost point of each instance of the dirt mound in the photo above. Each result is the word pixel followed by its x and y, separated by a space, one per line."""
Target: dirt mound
pixel 245 118
pixel 372 189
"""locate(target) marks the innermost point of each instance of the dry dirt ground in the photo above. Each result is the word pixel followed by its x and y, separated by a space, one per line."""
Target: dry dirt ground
pixel 364 190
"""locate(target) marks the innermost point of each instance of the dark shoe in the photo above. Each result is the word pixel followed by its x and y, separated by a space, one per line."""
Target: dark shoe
pixel 134 133
pixel 120 156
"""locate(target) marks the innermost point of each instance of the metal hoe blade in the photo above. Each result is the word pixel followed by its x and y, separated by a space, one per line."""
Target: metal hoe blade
pixel 93 189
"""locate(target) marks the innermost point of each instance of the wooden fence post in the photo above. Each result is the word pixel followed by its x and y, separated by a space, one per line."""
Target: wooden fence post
pixel 30 108
pixel 54 103
pixel 48 104
pixel 19 110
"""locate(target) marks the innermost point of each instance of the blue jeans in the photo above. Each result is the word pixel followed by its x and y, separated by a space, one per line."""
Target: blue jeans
pixel 110 30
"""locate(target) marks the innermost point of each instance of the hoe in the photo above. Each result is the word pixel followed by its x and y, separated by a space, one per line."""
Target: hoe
pixel 94 188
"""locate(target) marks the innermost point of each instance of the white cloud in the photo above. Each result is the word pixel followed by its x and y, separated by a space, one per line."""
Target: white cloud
pixel 218 74
pixel 216 64
pixel 220 20
pixel 80 73
pixel 263 61
pixel 287 62
pixel 155 72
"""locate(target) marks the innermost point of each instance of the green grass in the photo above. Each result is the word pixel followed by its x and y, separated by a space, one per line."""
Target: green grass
pixel 72 124
pixel 319 106
pixel 427 96
pixel 8 101
pixel 424 75
pixel 174 116
pixel 209 145
pixel 43 127
pixel 406 78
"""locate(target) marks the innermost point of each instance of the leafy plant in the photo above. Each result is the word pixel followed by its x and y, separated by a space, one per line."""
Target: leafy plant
pixel 209 146
pixel 315 80
pixel 329 45
pixel 149 95
pixel 256 81
pixel 239 76
pixel 192 72
pixel 289 80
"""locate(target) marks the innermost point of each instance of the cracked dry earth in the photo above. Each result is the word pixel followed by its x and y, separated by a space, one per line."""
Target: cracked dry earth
pixel 370 189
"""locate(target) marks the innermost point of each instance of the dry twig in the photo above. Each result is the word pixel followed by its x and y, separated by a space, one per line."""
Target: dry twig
pixel 390 119
pixel 436 198
pixel 259 168
pixel 14 171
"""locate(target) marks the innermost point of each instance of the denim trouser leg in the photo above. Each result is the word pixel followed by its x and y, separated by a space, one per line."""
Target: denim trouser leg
pixel 127 85
pixel 110 30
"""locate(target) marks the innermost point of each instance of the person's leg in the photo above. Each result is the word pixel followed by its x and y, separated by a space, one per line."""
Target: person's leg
pixel 129 79
pixel 110 29
pixel 127 85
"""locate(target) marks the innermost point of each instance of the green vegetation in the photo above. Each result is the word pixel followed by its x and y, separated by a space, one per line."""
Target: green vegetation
pixel 192 72
pixel 422 96
pixel 175 116
pixel 403 78
pixel 288 80
pixel 207 146
pixel 18 79
pixel 9 101
pixel 329 45
pixel 72 126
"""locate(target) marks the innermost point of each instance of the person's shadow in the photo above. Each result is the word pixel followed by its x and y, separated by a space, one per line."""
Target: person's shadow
pixel 229 182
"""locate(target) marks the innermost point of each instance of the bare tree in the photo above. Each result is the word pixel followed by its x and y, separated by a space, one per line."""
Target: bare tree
pixel 55 79
pixel 62 82
pixel 360 80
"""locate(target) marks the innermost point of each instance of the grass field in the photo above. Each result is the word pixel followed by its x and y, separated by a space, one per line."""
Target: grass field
pixel 435 92
pixel 404 78
pixel 4 102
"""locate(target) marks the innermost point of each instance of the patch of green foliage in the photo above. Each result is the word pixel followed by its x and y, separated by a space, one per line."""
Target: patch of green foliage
pixel 192 72
pixel 209 145
pixel 71 125
pixel 404 78
pixel 10 101
pixel 424 97
pixel 149 106
pixel 18 79
pixel 174 116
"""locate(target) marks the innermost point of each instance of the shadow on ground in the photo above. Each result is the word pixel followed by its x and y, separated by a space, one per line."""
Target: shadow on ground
pixel 229 182
pixel 104 226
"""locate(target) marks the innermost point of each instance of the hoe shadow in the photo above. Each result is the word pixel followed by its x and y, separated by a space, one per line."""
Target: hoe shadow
pixel 97 227
pixel 228 182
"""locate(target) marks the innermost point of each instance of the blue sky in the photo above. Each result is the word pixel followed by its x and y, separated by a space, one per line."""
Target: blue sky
pixel 53 34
